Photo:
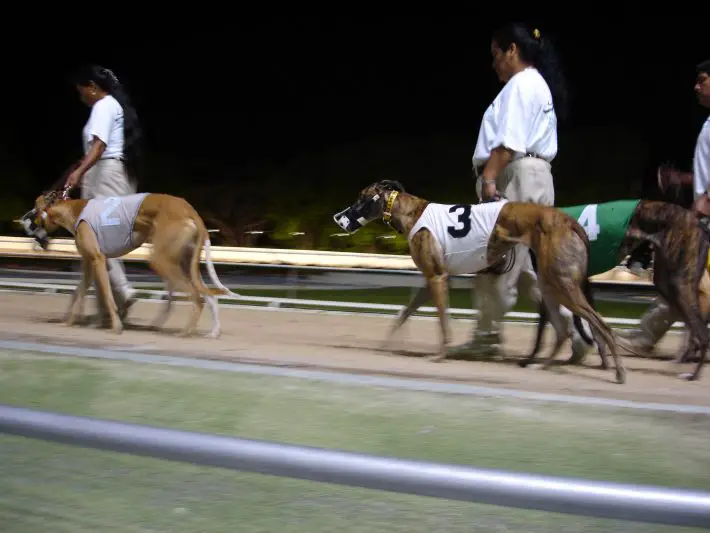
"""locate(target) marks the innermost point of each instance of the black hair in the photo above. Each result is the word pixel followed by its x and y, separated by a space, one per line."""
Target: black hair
pixel 703 67
pixel 537 50
pixel 133 136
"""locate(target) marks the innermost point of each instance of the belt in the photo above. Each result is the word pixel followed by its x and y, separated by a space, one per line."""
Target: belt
pixel 478 170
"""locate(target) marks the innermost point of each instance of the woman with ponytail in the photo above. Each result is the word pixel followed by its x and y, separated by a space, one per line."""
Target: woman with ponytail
pixel 516 143
pixel 111 141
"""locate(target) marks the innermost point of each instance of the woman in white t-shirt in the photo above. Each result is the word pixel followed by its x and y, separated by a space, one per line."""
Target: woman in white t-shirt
pixel 111 140
pixel 516 143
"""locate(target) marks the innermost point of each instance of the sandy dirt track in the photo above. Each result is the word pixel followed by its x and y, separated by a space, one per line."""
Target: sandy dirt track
pixel 350 344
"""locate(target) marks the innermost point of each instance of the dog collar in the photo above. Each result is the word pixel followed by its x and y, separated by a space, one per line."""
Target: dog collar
pixel 388 209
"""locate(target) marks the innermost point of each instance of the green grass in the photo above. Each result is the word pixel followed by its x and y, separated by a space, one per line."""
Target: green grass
pixel 51 487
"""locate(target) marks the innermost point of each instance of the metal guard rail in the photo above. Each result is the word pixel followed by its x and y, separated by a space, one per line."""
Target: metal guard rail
pixel 454 482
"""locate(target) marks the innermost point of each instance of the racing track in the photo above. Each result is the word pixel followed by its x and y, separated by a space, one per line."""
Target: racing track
pixel 344 343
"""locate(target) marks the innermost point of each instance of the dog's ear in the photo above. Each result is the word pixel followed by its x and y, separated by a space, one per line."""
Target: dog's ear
pixel 391 185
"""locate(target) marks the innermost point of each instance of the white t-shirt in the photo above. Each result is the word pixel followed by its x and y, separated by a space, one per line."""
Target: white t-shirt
pixel 462 232
pixel 106 122
pixel 522 118
pixel 701 160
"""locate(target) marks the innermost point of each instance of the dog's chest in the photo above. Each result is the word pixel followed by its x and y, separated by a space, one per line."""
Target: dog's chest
pixel 112 219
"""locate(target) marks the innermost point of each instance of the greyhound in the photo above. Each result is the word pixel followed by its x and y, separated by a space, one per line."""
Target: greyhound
pixel 114 226
pixel 447 240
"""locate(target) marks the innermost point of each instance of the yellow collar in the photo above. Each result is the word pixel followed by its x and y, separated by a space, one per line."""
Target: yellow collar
pixel 388 209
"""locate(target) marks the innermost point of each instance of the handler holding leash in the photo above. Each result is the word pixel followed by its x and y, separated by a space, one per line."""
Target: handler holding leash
pixel 660 317
pixel 111 156
pixel 516 142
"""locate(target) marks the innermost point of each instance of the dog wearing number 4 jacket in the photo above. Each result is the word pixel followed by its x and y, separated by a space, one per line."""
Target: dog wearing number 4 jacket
pixel 464 238
pixel 681 262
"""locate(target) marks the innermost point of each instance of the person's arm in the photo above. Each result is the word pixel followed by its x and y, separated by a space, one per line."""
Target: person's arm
pixel 511 136
pixel 88 161
pixel 102 116
pixel 500 157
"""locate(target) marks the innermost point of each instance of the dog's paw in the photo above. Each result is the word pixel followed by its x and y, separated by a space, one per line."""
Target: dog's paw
pixel 438 358
pixel 621 377
pixel 214 334
pixel 688 376
pixel 536 366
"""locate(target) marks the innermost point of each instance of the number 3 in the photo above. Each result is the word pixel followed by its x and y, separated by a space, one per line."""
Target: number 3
pixel 113 202
pixel 464 219
pixel 588 220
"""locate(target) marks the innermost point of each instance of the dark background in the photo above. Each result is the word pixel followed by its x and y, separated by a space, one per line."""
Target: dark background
pixel 277 124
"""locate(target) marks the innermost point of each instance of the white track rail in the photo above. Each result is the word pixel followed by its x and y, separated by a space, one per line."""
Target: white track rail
pixel 23 286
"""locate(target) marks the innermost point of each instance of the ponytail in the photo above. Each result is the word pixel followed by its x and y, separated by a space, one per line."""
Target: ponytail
pixel 538 51
pixel 133 134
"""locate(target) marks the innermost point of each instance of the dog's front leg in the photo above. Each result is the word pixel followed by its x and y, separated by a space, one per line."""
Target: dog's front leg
pixel 417 301
pixel 438 285
pixel 77 302
pixel 88 247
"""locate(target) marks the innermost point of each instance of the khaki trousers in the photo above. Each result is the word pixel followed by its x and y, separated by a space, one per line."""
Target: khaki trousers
pixel 528 179
pixel 108 178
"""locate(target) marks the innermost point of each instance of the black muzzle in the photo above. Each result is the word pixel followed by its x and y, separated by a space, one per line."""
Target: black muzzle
pixel 356 216
pixel 32 229
pixel 349 220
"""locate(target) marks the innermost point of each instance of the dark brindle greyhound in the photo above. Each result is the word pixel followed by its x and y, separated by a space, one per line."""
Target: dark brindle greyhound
pixel 680 270
pixel 447 240
pixel 681 276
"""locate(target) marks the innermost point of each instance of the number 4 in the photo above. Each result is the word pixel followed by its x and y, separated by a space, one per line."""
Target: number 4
pixel 112 203
pixel 588 220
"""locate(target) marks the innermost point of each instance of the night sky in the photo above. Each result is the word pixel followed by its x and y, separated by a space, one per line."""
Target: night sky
pixel 271 90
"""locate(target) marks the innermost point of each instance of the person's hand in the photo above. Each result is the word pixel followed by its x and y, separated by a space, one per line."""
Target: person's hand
pixel 74 179
pixel 490 192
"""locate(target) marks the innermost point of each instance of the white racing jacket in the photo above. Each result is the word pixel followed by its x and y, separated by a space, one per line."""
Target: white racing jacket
pixel 112 219
pixel 462 232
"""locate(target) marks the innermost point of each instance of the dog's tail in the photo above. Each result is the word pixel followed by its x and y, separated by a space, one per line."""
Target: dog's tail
pixel 203 239
pixel 586 285
pixel 587 291
pixel 213 273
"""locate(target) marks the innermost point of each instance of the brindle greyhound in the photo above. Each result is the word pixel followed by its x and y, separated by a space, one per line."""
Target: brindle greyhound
pixel 681 273
pixel 169 223
pixel 481 237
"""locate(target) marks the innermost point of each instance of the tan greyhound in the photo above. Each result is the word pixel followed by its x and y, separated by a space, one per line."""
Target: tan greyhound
pixel 113 226
pixel 447 240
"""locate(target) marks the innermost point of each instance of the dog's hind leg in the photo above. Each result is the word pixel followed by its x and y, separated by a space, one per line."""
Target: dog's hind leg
pixel 165 312
pixel 541 323
pixel 689 308
pixel 169 270
pixel 166 259
pixel 561 332
pixel 579 305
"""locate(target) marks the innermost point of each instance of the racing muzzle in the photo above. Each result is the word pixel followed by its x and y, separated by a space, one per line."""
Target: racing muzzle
pixel 355 217
pixel 28 222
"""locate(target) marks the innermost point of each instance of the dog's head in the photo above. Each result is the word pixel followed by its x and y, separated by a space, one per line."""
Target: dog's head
pixel 373 202
pixel 36 222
